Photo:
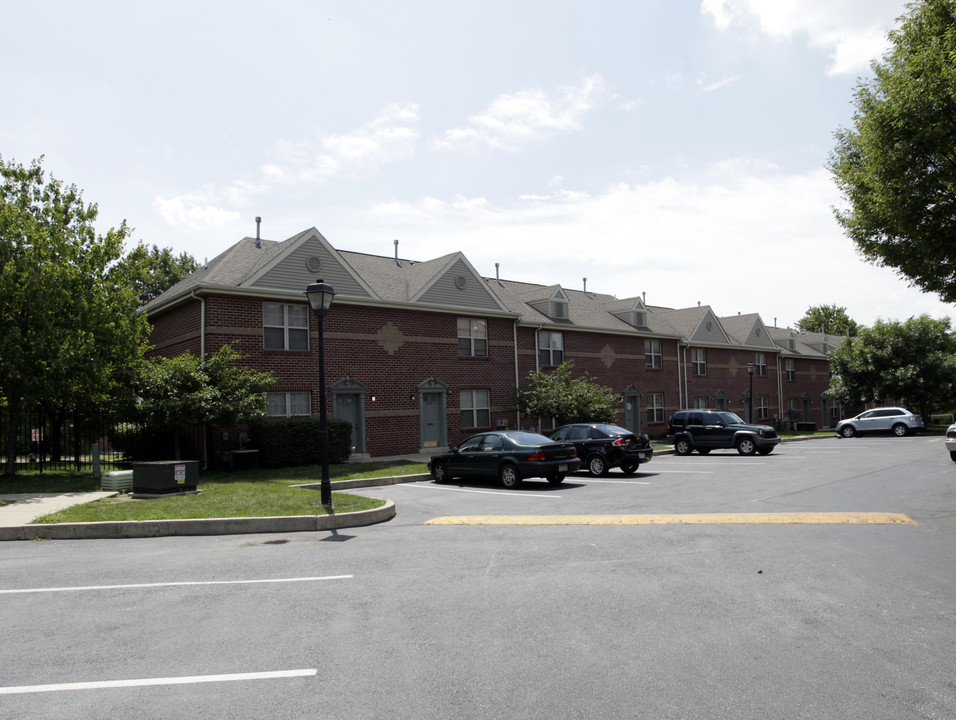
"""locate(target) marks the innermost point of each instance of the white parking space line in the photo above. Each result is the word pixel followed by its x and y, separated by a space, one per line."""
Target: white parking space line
pixel 613 482
pixel 145 682
pixel 83 588
pixel 509 493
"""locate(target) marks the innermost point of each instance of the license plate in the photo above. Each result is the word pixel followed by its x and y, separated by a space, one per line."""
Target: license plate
pixel 562 468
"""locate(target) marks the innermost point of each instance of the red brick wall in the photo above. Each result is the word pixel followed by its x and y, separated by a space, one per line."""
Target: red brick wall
pixel 392 351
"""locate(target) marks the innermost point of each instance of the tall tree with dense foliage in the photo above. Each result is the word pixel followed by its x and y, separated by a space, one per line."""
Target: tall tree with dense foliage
pixel 151 271
pixel 69 334
pixel 829 319
pixel 184 390
pixel 556 394
pixel 897 165
pixel 912 363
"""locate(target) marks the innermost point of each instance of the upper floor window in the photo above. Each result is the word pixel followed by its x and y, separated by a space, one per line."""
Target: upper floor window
pixel 285 327
pixel 653 358
pixel 550 348
pixel 472 337
pixel 791 365
pixel 698 360
pixel 475 407
pixel 760 363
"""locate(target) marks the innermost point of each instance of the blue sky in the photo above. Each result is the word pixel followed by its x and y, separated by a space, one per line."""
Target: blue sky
pixel 674 148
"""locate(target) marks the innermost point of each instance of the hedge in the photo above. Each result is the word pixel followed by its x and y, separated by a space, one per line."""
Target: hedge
pixel 297 441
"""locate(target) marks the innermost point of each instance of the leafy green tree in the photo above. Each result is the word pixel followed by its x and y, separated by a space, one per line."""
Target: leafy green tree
pixel 567 399
pixel 912 363
pixel 897 166
pixel 829 319
pixel 152 271
pixel 185 390
pixel 69 336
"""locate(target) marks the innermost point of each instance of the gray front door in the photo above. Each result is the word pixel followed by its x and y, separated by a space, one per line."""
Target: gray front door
pixel 348 406
pixel 433 419
pixel 632 410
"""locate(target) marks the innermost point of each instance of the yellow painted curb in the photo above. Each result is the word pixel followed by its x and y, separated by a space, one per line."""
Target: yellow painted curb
pixel 795 518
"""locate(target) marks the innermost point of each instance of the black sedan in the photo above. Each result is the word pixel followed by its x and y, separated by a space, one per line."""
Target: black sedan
pixel 508 455
pixel 602 446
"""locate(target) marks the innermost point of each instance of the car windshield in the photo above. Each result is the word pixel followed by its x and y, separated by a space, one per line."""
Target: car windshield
pixel 730 418
pixel 526 438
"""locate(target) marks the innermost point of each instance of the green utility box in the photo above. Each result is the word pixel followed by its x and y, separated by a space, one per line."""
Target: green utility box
pixel 165 477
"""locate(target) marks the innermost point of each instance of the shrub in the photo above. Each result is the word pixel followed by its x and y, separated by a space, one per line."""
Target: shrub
pixel 297 441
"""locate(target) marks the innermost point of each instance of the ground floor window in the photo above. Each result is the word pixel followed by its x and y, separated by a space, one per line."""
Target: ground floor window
pixel 655 407
pixel 701 403
pixel 763 407
pixel 475 407
pixel 287 404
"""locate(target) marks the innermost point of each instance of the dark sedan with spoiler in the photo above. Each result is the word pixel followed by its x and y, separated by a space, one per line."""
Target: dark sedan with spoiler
pixel 508 455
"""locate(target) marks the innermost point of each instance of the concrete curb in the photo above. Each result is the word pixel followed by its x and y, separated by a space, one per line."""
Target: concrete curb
pixel 199 526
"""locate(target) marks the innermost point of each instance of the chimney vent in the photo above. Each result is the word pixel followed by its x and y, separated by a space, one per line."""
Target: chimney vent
pixel 258 240
pixel 396 254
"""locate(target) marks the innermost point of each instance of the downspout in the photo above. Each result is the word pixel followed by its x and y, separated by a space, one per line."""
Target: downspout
pixel 514 331
pixel 202 357
pixel 779 388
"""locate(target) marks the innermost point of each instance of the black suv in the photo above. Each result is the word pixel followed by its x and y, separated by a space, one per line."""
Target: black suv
pixel 704 430
pixel 601 446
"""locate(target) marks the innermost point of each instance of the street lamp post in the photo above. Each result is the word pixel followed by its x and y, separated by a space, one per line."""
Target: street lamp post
pixel 320 299
pixel 750 371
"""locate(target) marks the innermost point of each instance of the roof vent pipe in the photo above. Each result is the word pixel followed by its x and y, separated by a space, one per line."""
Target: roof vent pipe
pixel 644 297
pixel 497 277
pixel 396 254
pixel 258 240
pixel 585 285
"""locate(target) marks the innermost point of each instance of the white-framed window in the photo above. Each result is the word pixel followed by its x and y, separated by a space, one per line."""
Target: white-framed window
pixel 760 362
pixel 763 407
pixel 653 357
pixel 655 407
pixel 550 348
pixel 475 408
pixel 289 404
pixel 285 327
pixel 700 403
pixel 698 361
pixel 791 367
pixel 472 337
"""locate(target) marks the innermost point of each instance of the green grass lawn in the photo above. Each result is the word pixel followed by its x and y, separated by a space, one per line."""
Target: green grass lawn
pixel 256 493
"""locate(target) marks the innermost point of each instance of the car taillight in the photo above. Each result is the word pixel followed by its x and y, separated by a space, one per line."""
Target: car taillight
pixel 574 452
pixel 619 441
pixel 535 457
pixel 951 434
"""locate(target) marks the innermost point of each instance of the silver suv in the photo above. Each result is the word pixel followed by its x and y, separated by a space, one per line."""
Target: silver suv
pixel 898 421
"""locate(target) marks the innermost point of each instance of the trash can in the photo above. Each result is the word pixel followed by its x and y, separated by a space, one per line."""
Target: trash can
pixel 245 459
pixel 165 477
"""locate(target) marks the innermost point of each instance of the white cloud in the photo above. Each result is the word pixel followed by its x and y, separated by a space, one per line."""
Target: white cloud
pixel 391 136
pixel 194 211
pixel 743 236
pixel 512 121
pixel 853 32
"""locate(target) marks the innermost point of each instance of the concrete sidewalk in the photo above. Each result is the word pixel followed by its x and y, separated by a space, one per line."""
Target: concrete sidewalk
pixel 27 507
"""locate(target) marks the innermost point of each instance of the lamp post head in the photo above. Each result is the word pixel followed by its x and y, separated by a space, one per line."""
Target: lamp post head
pixel 750 367
pixel 320 296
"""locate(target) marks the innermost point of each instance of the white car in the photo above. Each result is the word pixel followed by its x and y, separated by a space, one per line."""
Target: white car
pixel 951 441
pixel 898 421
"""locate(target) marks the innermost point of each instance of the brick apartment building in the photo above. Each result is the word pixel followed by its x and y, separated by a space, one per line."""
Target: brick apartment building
pixel 421 354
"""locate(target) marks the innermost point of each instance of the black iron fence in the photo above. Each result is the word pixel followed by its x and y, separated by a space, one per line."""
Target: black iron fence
pixel 46 442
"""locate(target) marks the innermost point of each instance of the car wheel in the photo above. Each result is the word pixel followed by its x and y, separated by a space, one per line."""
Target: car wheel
pixel 765 451
pixel 509 476
pixel 899 430
pixel 848 431
pixel 597 465
pixel 682 446
pixel 704 451
pixel 555 479
pixel 746 446
pixel 439 471
pixel 629 467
